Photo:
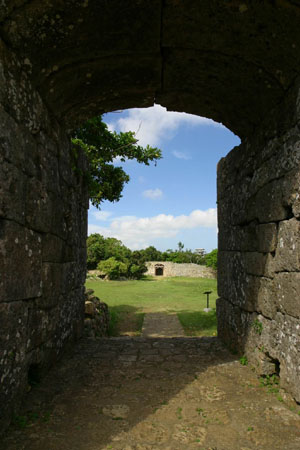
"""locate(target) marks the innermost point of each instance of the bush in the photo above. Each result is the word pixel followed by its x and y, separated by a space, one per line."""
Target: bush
pixel 112 268
pixel 137 271
pixel 211 259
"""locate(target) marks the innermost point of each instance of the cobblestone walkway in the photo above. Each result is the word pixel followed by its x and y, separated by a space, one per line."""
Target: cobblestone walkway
pixel 161 325
pixel 150 394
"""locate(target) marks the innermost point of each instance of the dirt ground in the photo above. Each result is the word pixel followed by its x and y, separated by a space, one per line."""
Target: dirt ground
pixel 162 393
pixel 161 325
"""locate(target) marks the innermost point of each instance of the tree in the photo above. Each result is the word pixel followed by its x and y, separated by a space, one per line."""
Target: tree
pixel 95 250
pixel 112 268
pixel 180 246
pixel 101 147
pixel 137 271
pixel 113 258
pixel 211 259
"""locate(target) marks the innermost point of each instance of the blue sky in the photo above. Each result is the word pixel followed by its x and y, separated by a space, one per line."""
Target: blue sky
pixel 176 200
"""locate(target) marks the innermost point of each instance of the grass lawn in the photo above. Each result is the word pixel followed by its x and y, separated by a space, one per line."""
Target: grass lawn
pixel 128 301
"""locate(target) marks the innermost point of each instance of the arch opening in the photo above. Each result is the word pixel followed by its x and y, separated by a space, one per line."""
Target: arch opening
pixel 188 60
pixel 159 270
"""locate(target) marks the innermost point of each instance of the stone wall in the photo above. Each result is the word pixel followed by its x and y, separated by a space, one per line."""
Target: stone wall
pixel 96 316
pixel 90 57
pixel 43 225
pixel 171 269
pixel 259 242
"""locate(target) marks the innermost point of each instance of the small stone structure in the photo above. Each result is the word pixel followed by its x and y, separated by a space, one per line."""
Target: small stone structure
pixel 170 269
pixel 96 322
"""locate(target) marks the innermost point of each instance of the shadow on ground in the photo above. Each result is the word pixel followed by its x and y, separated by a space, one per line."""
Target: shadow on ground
pixel 143 394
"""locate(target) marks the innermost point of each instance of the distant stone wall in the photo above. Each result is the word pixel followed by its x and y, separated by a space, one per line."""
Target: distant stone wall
pixel 43 224
pixel 171 269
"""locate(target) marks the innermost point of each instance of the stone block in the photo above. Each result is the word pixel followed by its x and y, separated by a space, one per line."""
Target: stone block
pixel 12 192
pixel 287 290
pixel 49 170
pixel 266 237
pixel 270 203
pixel 288 248
pixel 265 297
pixel 56 250
pixel 20 262
pixel 53 248
pixel 13 373
pixel 18 146
pixel 39 206
pixel 259 264
pixel 250 291
pixel 41 325
pixel 89 308
pixel 58 279
pixel 249 238
pixel 284 336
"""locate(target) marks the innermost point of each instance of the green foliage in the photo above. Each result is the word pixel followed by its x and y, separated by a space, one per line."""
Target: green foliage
pixel 244 360
pixel 257 326
pixel 271 382
pixel 211 259
pixel 122 262
pixel 137 271
pixel 29 418
pixel 101 146
pixel 180 246
pixel 95 250
pixel 112 268
pixel 100 249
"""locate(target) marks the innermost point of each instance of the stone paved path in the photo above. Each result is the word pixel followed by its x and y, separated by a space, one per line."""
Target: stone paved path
pixel 161 325
pixel 150 394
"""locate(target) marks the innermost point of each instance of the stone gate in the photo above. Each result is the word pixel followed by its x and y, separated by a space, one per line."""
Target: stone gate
pixel 236 62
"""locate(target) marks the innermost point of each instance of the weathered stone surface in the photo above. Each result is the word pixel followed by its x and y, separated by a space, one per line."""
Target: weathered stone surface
pixel 287 293
pixel 12 190
pixel 89 308
pixel 288 249
pixel 62 62
pixel 258 274
pixel 20 262
pixel 96 322
pixel 42 255
pixel 14 338
pixel 171 269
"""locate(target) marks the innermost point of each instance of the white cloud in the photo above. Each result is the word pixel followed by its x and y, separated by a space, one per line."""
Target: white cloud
pixel 111 127
pixel 152 193
pixel 139 232
pixel 102 215
pixel 141 179
pixel 154 124
pixel 180 155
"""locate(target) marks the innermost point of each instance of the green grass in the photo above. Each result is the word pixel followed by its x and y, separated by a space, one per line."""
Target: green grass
pixel 128 301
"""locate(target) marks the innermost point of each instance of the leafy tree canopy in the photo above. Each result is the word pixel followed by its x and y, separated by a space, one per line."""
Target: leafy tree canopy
pixel 101 249
pixel 101 147
pixel 211 259
pixel 112 268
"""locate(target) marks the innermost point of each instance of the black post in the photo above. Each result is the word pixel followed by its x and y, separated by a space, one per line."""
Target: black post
pixel 207 299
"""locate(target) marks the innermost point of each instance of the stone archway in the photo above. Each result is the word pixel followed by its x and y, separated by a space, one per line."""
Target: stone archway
pixel 61 62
